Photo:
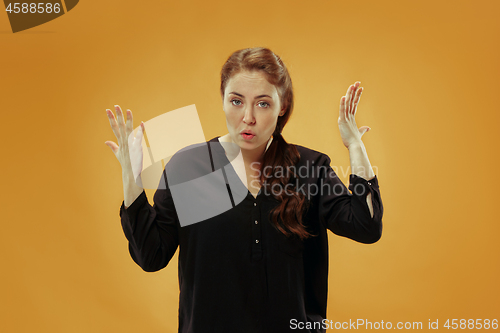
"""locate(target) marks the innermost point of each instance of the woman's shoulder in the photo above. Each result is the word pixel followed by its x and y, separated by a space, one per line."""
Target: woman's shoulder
pixel 189 163
pixel 200 153
pixel 311 156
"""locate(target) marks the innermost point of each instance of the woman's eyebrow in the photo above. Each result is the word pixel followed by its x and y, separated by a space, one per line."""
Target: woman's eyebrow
pixel 235 93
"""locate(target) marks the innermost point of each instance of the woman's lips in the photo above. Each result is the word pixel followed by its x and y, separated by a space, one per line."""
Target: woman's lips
pixel 247 136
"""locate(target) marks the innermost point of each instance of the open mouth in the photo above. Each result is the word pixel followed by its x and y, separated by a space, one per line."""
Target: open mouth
pixel 247 136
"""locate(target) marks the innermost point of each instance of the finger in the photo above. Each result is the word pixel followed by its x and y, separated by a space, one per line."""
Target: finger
pixel 342 112
pixel 114 147
pixel 348 90
pixel 140 132
pixel 112 122
pixel 135 139
pixel 129 127
pixel 130 122
pixel 363 129
pixel 120 121
pixel 344 105
pixel 355 90
pixel 346 112
pixel 356 100
pixel 349 98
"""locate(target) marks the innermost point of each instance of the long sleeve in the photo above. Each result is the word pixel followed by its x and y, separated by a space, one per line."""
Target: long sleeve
pixel 237 271
pixel 152 231
pixel 347 214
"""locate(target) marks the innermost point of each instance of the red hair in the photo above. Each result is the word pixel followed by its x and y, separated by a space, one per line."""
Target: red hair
pixel 293 204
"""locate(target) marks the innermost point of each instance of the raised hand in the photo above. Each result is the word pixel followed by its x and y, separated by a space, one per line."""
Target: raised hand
pixel 349 131
pixel 128 151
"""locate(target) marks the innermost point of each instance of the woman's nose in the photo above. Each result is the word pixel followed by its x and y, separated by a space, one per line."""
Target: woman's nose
pixel 248 118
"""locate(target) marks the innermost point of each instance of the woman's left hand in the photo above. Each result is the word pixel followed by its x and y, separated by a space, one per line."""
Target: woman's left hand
pixel 349 131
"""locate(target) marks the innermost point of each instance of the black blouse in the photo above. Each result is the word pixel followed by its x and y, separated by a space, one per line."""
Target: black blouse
pixel 237 272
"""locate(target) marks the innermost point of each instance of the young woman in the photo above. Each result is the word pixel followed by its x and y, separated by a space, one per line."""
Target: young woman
pixel 260 263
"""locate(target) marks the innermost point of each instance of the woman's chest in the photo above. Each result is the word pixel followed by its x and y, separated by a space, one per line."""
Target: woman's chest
pixel 244 232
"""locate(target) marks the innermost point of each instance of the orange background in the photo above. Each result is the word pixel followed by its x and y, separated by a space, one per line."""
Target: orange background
pixel 430 74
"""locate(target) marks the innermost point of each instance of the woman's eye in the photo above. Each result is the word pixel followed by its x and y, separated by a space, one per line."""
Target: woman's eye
pixel 237 101
pixel 266 105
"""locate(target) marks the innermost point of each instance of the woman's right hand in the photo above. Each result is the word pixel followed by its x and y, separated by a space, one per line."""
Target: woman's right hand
pixel 128 151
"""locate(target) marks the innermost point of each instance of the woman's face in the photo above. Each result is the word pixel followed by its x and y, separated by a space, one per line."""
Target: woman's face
pixel 252 106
